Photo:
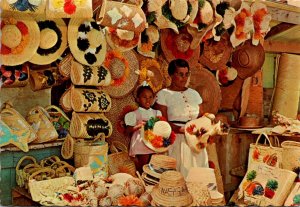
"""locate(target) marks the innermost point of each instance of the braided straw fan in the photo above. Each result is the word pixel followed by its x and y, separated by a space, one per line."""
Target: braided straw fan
pixel 287 89
pixel 207 86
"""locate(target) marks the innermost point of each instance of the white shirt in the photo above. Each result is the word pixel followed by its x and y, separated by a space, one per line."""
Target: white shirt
pixel 131 119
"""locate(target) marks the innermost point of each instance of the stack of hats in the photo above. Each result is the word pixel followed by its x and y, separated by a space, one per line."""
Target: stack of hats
pixel 158 164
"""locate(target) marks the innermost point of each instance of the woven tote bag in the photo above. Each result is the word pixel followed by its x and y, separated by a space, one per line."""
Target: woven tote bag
pixel 291 155
pixel 262 153
pixel 264 185
pixel 294 197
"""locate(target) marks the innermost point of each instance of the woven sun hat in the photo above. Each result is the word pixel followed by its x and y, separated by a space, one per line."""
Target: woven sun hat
pixel 171 190
pixel 122 40
pixel 226 75
pixel 19 35
pixel 248 59
pixel 53 41
pixel 215 54
pixel 86 41
pixel 121 67
pixel 207 177
pixel 159 164
pixel 204 81
pixel 149 41
pixel 26 6
pixel 178 46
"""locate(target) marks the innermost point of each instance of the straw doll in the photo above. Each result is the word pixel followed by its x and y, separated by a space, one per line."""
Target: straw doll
pixel 135 120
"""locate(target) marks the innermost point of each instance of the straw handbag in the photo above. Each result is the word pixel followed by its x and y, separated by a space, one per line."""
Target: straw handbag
pixel 90 125
pixel 64 66
pixel 24 171
pixel 59 119
pixel 264 185
pixel 21 7
pixel 39 119
pixel 294 197
pixel 268 154
pixel 67 148
pixel 18 76
pixel 90 100
pixel 291 155
pixel 119 160
pixel 93 154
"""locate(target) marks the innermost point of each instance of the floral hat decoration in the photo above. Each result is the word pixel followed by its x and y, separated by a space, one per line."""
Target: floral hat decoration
pixel 226 75
pixel 53 41
pixel 24 6
pixel 86 41
pixel 158 134
pixel 148 41
pixel 19 35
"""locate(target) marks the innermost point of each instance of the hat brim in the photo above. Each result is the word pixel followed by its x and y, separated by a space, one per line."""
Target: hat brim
pixel 32 45
pixel 82 56
pixel 150 179
pixel 40 59
pixel 147 170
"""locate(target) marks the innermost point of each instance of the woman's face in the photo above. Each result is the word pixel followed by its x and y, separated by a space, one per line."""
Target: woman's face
pixel 180 77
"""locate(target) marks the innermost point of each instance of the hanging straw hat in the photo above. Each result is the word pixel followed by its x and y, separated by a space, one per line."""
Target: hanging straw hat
pixel 86 41
pixel 159 164
pixel 171 190
pixel 19 35
pixel 53 41
pixel 203 81
pixel 178 46
pixel 119 108
pixel 121 67
pixel 122 40
pixel 248 59
pixel 149 37
pixel 215 54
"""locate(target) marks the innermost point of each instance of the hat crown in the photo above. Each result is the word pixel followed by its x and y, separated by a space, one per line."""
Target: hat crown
pixel 179 9
pixel 182 42
pixel 162 128
pixel 172 184
pixel 48 38
pixel 95 39
pixel 117 68
pixel 125 34
pixel 11 36
pixel 163 161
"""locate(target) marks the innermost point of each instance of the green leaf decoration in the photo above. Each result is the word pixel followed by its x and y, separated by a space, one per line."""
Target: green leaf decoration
pixel 272 184
pixel 296 199
pixel 66 125
pixel 201 3
pixel 251 175
pixel 151 17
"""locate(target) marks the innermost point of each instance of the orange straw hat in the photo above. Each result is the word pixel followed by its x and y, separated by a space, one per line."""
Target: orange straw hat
pixel 53 41
pixel 171 190
pixel 20 36
pixel 86 41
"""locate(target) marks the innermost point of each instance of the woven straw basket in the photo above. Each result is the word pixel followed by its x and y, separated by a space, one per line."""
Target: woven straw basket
pixel 64 66
pixel 119 160
pixel 291 155
pixel 90 125
pixel 23 172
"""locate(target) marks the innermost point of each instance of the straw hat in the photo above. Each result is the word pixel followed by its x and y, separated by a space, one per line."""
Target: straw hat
pixel 158 164
pixel 248 59
pixel 178 46
pixel 215 54
pixel 53 41
pixel 149 37
pixel 205 176
pixel 122 40
pixel 171 190
pixel 226 75
pixel 203 81
pixel 121 67
pixel 19 35
pixel 86 41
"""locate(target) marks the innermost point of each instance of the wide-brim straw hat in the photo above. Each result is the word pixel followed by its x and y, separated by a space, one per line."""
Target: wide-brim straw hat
pixel 86 41
pixel 171 190
pixel 159 162
pixel 204 81
pixel 116 115
pixel 248 59
pixel 215 54
pixel 178 46
pixel 53 41
pixel 149 37
pixel 122 67
pixel 20 36
pixel 122 40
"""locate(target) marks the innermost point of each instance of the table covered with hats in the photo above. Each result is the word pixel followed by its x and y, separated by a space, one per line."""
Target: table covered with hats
pixel 69 74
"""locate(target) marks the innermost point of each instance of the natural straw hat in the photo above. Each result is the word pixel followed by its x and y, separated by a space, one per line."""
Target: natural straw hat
pixel 171 190
pixel 86 41
pixel 178 46
pixel 19 38
pixel 149 38
pixel 122 67
pixel 203 81
pixel 53 41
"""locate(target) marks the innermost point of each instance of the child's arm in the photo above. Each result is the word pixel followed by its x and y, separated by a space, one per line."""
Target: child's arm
pixel 131 124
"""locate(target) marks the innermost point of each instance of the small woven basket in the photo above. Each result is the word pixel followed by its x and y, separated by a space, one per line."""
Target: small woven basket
pixel 64 66
pixel 23 171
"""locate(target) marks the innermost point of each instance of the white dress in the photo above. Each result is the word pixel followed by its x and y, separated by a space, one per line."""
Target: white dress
pixel 183 106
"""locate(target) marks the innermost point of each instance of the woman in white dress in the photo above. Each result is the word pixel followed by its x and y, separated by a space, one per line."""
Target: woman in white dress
pixel 180 105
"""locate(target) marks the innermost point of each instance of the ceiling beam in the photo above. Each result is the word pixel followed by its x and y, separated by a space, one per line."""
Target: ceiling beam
pixel 273 46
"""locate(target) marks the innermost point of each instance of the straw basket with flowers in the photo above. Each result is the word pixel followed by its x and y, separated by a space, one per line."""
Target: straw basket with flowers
pixel 157 134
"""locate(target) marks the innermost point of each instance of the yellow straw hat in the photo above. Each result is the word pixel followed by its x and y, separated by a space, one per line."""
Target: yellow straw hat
pixel 86 41
pixel 53 41
pixel 19 35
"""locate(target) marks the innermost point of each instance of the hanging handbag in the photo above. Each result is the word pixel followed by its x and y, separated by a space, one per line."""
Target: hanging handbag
pixel 291 155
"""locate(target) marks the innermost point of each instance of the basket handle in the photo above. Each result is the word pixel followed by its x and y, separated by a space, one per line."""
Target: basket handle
pixel 25 158
pixel 117 146
pixel 49 161
pixel 57 109
pixel 260 135
pixel 276 141
pixel 50 173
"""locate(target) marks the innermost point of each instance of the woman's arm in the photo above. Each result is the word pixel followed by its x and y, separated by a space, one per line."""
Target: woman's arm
pixel 164 112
